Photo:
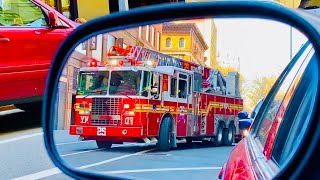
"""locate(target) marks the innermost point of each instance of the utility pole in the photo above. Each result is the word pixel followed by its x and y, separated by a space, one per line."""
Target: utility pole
pixel 123 5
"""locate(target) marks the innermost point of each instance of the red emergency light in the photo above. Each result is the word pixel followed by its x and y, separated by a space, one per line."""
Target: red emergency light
pixel 93 63
pixel 116 62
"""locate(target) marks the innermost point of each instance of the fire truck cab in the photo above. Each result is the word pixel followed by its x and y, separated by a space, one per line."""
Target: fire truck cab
pixel 145 96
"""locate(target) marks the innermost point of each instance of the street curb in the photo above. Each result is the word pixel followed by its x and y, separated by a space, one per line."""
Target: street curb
pixel 7 107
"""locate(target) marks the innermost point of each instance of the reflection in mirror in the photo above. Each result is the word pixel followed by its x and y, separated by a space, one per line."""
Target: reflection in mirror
pixel 146 101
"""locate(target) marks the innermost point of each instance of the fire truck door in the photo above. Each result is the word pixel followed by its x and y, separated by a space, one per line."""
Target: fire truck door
pixel 182 108
pixel 196 101
pixel 190 124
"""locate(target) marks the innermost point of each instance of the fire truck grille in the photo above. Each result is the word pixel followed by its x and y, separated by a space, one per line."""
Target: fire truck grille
pixel 105 111
pixel 98 122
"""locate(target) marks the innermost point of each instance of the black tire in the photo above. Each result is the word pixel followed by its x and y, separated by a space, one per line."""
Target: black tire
pixel 218 139
pixel 164 135
pixel 104 144
pixel 228 135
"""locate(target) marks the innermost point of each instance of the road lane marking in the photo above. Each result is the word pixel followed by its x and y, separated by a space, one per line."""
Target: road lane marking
pixel 20 138
pixel 54 171
pixel 114 159
pixel 160 169
pixel 59 144
pixel 81 152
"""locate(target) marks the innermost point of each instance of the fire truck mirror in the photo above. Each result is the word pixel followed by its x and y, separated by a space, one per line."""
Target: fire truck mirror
pixel 188 78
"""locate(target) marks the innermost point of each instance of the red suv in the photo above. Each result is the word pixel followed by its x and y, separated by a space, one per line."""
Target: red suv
pixel 30 33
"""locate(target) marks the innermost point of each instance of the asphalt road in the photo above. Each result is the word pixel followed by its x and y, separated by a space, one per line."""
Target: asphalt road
pixel 24 156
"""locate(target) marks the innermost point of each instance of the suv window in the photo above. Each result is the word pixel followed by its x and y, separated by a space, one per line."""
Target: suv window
pixel 294 123
pixel 272 109
pixel 22 13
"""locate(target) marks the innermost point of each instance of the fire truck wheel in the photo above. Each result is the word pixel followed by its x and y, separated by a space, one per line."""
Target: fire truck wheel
pixel 218 139
pixel 228 135
pixel 104 144
pixel 164 135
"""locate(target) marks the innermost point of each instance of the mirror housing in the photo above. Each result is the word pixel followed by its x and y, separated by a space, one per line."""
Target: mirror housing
pixel 149 15
pixel 53 19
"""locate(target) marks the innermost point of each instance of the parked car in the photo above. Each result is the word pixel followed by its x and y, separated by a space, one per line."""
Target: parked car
pixel 284 139
pixel 30 34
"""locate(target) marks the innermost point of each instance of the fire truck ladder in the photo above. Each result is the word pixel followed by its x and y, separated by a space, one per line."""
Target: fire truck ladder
pixel 142 54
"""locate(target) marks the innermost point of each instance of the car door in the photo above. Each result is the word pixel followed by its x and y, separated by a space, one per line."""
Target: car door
pixel 182 106
pixel 27 44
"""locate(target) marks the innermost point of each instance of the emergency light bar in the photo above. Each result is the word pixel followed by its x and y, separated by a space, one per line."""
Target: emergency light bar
pixel 136 56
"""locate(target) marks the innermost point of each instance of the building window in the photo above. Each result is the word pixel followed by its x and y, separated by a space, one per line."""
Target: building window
pixel 152 36
pixel 140 32
pixel 147 32
pixel 168 42
pixel 158 43
pixel 181 43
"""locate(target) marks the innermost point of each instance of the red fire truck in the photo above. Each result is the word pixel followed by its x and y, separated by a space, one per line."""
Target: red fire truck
pixel 140 95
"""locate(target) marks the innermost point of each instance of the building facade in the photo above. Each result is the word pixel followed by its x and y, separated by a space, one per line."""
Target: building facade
pixel 290 3
pixel 209 32
pixel 184 41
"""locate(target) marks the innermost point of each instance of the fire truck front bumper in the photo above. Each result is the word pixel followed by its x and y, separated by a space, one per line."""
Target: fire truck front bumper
pixel 106 131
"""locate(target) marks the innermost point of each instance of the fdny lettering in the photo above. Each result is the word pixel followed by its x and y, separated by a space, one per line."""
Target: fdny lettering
pixel 128 121
pixel 84 119
pixel 101 131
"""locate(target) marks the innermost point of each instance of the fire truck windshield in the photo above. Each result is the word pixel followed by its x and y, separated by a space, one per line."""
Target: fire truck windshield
pixel 125 82
pixel 93 82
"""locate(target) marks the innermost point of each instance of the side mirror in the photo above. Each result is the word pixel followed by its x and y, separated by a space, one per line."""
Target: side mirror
pixel 102 121
pixel 53 19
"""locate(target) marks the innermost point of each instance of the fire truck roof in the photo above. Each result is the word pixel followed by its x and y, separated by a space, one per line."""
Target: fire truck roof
pixel 161 69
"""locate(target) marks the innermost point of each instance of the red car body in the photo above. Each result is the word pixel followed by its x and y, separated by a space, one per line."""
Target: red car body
pixel 27 51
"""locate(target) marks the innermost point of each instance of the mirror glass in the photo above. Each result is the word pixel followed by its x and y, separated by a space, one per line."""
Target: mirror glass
pixel 144 102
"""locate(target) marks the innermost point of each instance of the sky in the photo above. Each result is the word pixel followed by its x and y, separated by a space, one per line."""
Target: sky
pixel 263 46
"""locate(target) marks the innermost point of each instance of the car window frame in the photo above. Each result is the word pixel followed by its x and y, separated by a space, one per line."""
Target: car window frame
pixel 110 23
pixel 300 56
pixel 264 168
pixel 303 81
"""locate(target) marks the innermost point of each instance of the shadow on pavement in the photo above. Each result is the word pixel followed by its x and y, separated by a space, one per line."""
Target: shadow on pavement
pixel 138 147
pixel 19 121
